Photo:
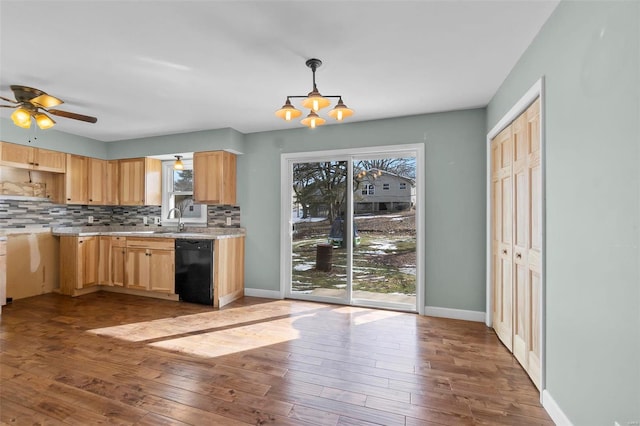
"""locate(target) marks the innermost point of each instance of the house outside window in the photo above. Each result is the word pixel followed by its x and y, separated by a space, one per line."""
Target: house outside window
pixel 385 186
pixel 368 190
pixel 177 192
pixel 403 185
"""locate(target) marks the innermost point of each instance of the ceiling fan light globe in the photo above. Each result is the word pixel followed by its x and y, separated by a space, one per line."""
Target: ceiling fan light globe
pixel 46 101
pixel 44 121
pixel 21 118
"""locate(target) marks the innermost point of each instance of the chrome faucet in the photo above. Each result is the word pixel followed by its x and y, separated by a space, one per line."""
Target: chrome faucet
pixel 179 214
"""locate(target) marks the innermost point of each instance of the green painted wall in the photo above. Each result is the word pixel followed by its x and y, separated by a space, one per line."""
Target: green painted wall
pixel 455 196
pixel 589 55
pixel 207 140
pixel 51 139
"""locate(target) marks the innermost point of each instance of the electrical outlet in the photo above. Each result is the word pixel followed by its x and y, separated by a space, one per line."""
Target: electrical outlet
pixel 228 221
pixel 90 219
pixel 156 220
pixel 145 220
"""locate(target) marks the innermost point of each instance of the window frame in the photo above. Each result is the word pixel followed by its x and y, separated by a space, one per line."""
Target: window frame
pixel 167 192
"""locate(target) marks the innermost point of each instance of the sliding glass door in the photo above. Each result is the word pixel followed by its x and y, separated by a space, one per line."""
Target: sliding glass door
pixel 351 228
pixel 384 257
pixel 318 209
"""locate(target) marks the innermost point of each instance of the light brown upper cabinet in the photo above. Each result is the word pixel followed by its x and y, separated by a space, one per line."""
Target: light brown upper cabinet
pixel 97 181
pixel 140 182
pixel 112 197
pixel 75 180
pixel 214 177
pixel 28 157
pixel 516 217
pixel 103 182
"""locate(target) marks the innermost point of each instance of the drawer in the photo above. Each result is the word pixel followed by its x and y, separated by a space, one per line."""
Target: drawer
pixel 151 243
pixel 118 241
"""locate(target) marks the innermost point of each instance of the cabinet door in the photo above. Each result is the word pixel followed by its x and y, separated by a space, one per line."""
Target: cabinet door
pixel 104 260
pixel 162 272
pixel 501 154
pixel 137 268
pixel 97 177
pixel 118 263
pixel 131 182
pixel 152 182
pixel 3 273
pixel 111 196
pixel 17 155
pixel 214 178
pixel 76 180
pixel 50 161
pixel 87 262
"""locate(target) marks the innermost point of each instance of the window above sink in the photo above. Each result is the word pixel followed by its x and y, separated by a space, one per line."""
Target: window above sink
pixel 177 192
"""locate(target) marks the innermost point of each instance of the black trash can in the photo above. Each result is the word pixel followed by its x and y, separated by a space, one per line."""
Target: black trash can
pixel 324 257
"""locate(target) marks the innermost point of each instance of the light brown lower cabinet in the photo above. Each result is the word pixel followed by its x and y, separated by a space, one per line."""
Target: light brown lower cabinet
pixel 78 263
pixel 111 260
pixel 3 274
pixel 150 264
pixel 146 264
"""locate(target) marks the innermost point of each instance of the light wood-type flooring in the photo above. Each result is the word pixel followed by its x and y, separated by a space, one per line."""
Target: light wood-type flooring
pixel 120 359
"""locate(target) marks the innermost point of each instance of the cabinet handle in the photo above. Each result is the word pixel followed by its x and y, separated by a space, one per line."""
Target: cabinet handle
pixel 504 251
pixel 90 199
pixel 37 164
pixel 68 199
pixel 518 255
pixel 81 242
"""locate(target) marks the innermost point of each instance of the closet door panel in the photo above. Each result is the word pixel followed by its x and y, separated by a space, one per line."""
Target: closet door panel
pixel 502 188
pixel 534 247
pixel 534 367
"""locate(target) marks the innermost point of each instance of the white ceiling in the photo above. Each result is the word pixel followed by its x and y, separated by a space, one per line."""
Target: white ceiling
pixel 147 68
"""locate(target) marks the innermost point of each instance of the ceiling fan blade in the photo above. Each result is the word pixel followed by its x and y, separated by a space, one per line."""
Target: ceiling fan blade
pixel 9 100
pixel 72 115
pixel 46 101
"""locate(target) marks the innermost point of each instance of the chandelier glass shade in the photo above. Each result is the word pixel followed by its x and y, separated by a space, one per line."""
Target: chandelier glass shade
pixel 314 101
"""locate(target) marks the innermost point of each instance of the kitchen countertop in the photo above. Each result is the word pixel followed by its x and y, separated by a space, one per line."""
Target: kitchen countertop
pixel 148 232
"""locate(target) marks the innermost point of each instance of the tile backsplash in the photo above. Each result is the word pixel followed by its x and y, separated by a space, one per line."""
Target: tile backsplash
pixel 16 213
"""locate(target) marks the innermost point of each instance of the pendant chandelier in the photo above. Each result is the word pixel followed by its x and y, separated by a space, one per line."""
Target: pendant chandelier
pixel 314 101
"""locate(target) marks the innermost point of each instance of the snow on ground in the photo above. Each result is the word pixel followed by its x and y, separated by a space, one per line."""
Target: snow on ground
pixel 384 245
pixel 304 266
pixel 385 216
pixel 295 219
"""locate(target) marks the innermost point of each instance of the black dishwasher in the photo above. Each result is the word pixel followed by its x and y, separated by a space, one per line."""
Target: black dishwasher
pixel 194 271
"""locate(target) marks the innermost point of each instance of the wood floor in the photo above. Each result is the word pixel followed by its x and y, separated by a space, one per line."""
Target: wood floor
pixel 120 359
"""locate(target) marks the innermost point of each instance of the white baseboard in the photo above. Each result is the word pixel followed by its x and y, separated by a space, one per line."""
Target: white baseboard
pixel 266 294
pixel 554 410
pixel 460 314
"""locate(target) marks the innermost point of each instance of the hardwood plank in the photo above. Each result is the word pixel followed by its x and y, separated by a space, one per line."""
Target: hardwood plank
pixel 123 359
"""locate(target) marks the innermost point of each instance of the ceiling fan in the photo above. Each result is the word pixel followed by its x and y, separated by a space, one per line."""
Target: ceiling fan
pixel 35 103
